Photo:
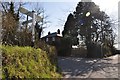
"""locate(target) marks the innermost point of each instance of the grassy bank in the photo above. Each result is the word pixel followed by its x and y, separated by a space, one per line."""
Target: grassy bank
pixel 26 62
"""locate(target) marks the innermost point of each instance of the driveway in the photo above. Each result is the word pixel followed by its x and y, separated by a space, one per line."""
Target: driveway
pixel 73 67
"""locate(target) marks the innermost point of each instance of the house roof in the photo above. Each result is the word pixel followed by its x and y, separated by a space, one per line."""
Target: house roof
pixel 52 35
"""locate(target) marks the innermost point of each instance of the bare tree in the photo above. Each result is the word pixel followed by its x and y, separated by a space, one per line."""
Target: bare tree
pixel 44 23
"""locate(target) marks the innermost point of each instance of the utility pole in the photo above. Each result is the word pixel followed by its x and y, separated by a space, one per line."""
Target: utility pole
pixel 33 27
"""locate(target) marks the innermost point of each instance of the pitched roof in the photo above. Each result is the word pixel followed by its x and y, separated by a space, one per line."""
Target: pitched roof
pixel 52 35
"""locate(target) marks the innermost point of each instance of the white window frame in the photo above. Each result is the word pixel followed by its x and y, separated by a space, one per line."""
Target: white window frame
pixel 53 38
pixel 47 39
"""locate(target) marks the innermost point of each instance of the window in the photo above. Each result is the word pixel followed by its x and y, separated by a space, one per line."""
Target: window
pixel 47 39
pixel 53 38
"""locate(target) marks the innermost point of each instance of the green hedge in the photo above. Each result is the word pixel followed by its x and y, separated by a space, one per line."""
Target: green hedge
pixel 65 47
pixel 26 62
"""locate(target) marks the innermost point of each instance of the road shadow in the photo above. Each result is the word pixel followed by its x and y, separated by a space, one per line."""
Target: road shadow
pixel 83 67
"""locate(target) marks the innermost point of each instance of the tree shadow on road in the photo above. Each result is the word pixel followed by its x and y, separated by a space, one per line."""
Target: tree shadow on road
pixel 83 67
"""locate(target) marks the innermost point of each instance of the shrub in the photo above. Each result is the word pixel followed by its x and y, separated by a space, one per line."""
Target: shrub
pixel 26 62
pixel 79 52
pixel 50 50
pixel 65 47
pixel 96 50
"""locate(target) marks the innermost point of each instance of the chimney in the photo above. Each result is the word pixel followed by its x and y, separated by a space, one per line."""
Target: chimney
pixel 86 0
pixel 49 33
pixel 58 31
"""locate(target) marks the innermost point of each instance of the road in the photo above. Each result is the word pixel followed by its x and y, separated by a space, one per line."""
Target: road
pixel 73 67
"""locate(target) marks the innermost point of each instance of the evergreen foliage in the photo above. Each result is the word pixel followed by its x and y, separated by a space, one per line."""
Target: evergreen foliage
pixel 92 26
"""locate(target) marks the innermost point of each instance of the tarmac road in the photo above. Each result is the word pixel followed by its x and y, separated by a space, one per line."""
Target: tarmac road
pixel 73 67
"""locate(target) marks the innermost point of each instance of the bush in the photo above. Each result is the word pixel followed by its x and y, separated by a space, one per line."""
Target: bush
pixel 65 47
pixel 79 52
pixel 26 62
pixel 98 51
pixel 94 50
pixel 106 51
pixel 50 50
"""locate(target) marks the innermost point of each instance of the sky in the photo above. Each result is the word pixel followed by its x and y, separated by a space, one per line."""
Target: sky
pixel 58 11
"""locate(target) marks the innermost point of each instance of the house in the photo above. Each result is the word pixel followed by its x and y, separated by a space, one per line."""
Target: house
pixel 53 38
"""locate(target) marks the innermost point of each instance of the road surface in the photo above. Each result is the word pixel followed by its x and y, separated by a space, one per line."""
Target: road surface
pixel 73 67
